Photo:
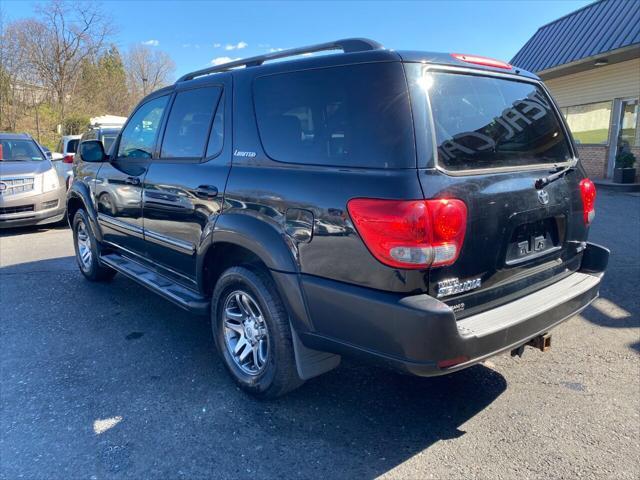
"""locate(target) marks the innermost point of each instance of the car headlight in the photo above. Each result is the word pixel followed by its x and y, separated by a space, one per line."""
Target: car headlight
pixel 50 180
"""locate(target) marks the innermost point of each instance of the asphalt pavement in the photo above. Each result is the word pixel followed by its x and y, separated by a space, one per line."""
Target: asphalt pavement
pixel 108 381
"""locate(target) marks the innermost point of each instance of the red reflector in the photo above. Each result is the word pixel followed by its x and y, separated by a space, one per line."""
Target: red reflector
pixel 67 159
pixel 1 157
pixel 452 361
pixel 588 194
pixel 411 233
pixel 478 60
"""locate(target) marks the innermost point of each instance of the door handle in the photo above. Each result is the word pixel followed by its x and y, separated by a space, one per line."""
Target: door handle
pixel 206 191
pixel 132 180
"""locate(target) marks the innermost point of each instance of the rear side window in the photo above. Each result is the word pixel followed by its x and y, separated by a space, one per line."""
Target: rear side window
pixel 353 116
pixel 487 122
pixel 189 121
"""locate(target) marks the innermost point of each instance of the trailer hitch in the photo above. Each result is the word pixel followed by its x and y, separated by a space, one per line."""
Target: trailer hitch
pixel 541 342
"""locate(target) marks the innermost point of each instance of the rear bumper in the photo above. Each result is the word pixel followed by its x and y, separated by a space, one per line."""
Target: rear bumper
pixel 414 333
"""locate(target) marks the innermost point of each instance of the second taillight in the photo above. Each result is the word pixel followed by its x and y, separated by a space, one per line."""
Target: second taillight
pixel 67 159
pixel 588 194
pixel 413 233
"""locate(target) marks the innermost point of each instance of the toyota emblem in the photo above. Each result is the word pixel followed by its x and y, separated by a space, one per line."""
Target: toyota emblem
pixel 543 197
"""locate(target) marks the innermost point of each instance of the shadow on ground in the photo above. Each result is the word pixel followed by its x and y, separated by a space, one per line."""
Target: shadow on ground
pixel 76 353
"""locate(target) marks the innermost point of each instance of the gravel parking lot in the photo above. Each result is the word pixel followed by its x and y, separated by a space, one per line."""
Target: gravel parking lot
pixel 110 381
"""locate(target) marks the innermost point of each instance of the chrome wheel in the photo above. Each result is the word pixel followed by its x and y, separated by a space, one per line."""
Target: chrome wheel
pixel 245 332
pixel 84 246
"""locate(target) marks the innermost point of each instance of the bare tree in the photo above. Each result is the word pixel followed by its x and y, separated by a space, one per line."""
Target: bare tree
pixel 12 72
pixel 65 34
pixel 148 69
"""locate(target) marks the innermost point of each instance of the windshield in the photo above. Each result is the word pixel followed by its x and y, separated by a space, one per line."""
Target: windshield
pixel 19 150
pixel 489 122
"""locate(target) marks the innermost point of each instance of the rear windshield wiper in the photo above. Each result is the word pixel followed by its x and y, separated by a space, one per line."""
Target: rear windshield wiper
pixel 542 182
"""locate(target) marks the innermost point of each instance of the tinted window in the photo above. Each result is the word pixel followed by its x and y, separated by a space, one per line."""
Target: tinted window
pixel 139 136
pixel 485 122
pixel 107 141
pixel 216 137
pixel 356 115
pixel 188 124
pixel 19 151
pixel 72 145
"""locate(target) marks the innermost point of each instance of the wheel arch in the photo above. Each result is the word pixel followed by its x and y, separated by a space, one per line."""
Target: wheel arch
pixel 239 233
pixel 78 197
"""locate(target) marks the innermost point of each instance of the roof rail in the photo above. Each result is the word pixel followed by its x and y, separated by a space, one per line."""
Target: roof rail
pixel 347 45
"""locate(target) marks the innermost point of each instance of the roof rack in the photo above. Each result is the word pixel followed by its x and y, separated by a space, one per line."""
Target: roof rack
pixel 347 45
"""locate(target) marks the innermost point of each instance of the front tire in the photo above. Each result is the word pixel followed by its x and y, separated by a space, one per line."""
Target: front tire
pixel 87 251
pixel 252 333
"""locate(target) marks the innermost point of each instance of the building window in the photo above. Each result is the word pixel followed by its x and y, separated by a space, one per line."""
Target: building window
pixel 628 136
pixel 589 123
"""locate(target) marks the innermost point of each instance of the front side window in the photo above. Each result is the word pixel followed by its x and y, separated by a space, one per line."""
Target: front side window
pixel 139 136
pixel 189 121
pixel 352 116
pixel 19 151
pixel 589 124
pixel 489 122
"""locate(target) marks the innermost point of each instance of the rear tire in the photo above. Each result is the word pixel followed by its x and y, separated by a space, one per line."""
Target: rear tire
pixel 252 333
pixel 87 251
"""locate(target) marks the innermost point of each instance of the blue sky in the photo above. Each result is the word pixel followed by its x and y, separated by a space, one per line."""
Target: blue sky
pixel 195 33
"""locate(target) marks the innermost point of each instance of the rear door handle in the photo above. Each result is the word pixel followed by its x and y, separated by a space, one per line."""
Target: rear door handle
pixel 206 191
pixel 132 180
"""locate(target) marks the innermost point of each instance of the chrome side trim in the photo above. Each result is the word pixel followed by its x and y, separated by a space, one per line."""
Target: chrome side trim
pixel 181 246
pixel 120 226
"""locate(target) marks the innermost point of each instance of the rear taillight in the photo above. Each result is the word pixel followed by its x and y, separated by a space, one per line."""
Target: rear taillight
pixel 485 61
pixel 588 194
pixel 413 233
pixel 67 159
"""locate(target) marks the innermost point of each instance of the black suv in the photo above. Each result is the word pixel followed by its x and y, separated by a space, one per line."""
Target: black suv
pixel 422 210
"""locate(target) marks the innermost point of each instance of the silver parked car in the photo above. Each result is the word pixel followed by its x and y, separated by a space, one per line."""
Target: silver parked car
pixel 32 190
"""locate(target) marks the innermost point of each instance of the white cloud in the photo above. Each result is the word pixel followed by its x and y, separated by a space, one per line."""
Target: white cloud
pixel 186 45
pixel 151 43
pixel 238 45
pixel 220 60
pixel 273 50
pixel 217 45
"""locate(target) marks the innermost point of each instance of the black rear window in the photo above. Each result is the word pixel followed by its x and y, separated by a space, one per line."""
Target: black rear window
pixel 487 122
pixel 72 145
pixel 353 116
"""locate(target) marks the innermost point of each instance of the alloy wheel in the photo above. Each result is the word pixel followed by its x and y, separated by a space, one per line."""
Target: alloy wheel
pixel 84 246
pixel 245 332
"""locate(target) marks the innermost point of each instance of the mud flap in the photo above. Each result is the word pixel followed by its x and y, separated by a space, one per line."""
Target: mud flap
pixel 311 363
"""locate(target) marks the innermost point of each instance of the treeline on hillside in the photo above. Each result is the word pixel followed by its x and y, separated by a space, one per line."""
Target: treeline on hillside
pixel 61 67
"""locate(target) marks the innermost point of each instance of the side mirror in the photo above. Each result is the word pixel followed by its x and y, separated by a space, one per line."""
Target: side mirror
pixel 92 151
